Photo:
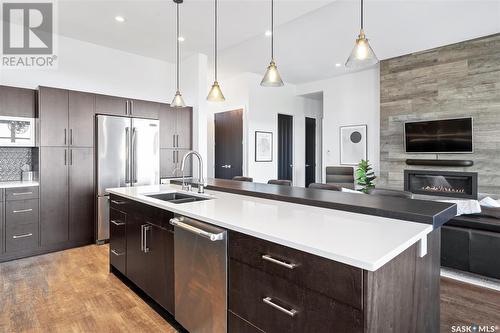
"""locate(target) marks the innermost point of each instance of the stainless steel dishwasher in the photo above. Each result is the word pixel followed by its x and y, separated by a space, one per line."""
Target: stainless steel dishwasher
pixel 200 265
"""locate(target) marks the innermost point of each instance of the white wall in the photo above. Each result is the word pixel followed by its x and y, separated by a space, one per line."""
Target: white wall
pixel 350 99
pixel 261 108
pixel 89 67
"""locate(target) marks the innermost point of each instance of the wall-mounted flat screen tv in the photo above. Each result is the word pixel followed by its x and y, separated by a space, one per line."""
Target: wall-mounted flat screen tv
pixel 439 136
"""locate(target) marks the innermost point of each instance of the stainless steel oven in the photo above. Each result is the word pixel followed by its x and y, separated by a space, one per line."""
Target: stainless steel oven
pixel 17 132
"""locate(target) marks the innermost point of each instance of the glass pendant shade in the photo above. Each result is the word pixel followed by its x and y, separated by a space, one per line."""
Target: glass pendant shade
pixel 272 77
pixel 362 55
pixel 178 101
pixel 215 94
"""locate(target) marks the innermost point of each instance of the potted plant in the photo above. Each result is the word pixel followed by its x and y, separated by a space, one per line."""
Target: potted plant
pixel 365 176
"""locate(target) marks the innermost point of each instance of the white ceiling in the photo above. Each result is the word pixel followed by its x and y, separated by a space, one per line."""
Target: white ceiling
pixel 311 35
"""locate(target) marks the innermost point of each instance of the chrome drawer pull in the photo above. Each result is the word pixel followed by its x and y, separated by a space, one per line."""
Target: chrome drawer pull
pixel 118 202
pixel 23 193
pixel 22 210
pixel 22 236
pixel 117 253
pixel 278 262
pixel 269 301
pixel 117 223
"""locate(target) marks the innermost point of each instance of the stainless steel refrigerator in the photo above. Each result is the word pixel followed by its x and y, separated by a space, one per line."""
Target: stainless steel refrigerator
pixel 128 154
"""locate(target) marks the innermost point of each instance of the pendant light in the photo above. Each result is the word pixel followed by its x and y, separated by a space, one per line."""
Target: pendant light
pixel 215 93
pixel 362 55
pixel 178 101
pixel 272 77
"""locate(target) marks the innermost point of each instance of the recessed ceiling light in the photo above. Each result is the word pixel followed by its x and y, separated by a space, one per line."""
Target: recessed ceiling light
pixel 120 19
pixel 181 39
pixel 268 33
pixel 338 65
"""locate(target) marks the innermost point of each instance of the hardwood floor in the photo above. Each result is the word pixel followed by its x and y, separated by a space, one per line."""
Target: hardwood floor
pixel 72 291
pixel 466 304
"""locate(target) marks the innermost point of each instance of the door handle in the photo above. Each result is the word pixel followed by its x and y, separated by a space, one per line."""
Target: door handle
pixel 71 157
pixel 173 140
pixel 22 193
pixel 22 211
pixel 117 223
pixel 116 253
pixel 177 136
pixel 70 136
pixel 211 236
pixel 307 165
pixel 134 155
pixel 22 236
pixel 65 136
pixel 65 157
pixel 118 202
pixel 283 263
pixel 131 110
pixel 127 154
pixel 269 301
pixel 144 237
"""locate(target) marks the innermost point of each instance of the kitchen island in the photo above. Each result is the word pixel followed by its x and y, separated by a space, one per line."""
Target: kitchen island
pixel 291 267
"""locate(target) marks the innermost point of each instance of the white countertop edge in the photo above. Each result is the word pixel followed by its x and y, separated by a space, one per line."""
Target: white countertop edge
pixel 18 183
pixel 370 266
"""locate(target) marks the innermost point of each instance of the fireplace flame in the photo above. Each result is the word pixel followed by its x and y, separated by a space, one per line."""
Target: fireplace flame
pixel 445 189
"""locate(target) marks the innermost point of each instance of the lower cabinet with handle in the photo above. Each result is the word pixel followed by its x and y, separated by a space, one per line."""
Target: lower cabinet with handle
pixel 142 248
pixel 21 221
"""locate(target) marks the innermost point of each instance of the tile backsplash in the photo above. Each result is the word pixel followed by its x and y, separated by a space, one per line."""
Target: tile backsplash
pixel 11 161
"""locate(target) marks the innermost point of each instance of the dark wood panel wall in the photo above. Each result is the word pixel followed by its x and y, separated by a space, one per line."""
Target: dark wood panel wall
pixel 457 80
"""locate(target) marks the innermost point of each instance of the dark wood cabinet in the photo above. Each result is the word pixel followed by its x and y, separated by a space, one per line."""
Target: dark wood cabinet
pixel 168 165
pixel 81 194
pixel 137 258
pixel 184 128
pixel 176 127
pixel 143 248
pixel 117 239
pixel 144 109
pixel 168 119
pixel 53 112
pixel 115 106
pixel 81 119
pixel 160 243
pixel 54 194
pixel 17 102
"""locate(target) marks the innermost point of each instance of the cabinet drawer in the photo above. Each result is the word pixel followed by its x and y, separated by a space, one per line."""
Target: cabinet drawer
pixel 235 324
pixel 21 237
pixel 21 193
pixel 21 212
pixel 119 203
pixel 274 304
pixel 117 239
pixel 333 279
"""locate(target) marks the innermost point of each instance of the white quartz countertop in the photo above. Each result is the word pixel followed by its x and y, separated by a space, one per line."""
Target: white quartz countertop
pixel 13 184
pixel 359 240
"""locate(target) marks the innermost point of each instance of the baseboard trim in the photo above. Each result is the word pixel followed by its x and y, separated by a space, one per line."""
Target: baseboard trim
pixel 471 278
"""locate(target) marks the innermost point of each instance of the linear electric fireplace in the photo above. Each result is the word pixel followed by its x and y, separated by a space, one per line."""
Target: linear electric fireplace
pixel 442 183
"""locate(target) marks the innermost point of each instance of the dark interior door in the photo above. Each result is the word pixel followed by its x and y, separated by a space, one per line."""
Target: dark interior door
pixel 285 146
pixel 310 151
pixel 229 144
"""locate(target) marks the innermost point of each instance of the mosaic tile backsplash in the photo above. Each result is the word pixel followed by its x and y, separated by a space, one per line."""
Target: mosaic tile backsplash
pixel 11 161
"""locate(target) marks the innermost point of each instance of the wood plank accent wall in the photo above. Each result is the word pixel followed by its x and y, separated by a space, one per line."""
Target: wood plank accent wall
pixel 457 80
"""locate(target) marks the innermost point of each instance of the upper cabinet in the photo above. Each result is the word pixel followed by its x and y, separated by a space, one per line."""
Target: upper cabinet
pixel 66 118
pixel 17 102
pixel 115 106
pixel 118 106
pixel 144 109
pixel 176 127
pixel 53 112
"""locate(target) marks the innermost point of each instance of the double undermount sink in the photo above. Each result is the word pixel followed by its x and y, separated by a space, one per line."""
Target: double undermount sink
pixel 177 198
